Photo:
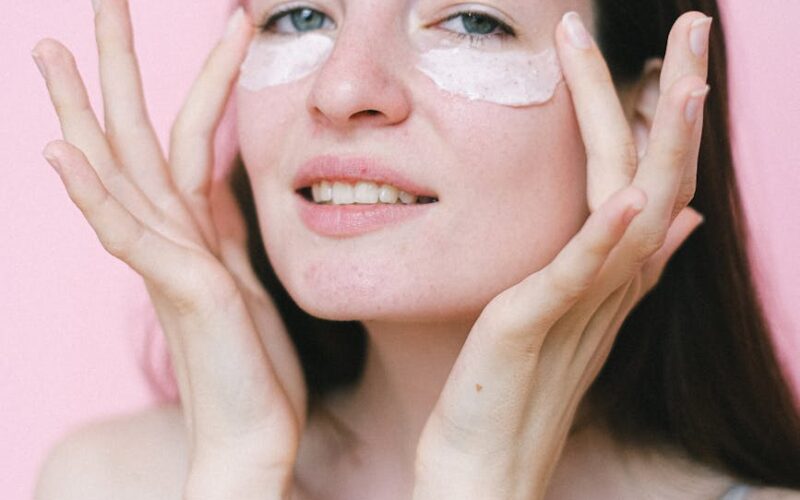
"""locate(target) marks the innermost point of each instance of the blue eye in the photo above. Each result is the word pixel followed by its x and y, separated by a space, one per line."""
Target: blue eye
pixel 297 20
pixel 477 26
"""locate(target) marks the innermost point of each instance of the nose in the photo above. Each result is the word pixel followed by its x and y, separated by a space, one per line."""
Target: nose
pixel 360 84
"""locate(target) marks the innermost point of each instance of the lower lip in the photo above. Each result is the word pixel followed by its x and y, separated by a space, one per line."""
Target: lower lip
pixel 352 220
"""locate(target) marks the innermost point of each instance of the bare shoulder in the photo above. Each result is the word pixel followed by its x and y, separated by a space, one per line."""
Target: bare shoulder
pixel 134 456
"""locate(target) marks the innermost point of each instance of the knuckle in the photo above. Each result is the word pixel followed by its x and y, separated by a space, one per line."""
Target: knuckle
pixel 627 151
pixel 596 248
pixel 567 286
pixel 124 245
pixel 503 314
pixel 624 152
pixel 676 151
pixel 650 242
pixel 512 324
pixel 185 128
pixel 178 130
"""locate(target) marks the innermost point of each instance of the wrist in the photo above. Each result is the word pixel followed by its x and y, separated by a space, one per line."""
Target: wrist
pixel 227 482
pixel 518 471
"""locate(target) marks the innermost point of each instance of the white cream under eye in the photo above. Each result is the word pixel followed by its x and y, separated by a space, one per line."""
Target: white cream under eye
pixel 511 78
pixel 282 54
pixel 501 75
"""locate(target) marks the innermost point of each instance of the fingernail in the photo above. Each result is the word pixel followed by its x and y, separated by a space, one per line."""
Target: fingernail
pixel 576 31
pixel 39 64
pixel 51 158
pixel 235 22
pixel 695 104
pixel 96 6
pixel 698 36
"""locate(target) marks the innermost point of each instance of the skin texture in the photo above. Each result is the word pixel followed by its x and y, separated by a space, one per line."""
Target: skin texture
pixel 487 318
pixel 432 137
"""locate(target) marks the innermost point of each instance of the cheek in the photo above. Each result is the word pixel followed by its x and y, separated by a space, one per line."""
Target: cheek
pixel 513 188
pixel 518 192
pixel 259 118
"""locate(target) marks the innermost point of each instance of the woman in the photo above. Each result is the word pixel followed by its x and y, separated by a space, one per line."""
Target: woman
pixel 489 283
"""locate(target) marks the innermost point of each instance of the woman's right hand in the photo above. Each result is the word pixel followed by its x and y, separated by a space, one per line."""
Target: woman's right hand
pixel 241 385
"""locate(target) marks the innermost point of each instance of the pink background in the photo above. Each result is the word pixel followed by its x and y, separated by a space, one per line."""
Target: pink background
pixel 74 318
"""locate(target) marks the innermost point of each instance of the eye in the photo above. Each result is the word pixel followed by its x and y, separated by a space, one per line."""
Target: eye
pixel 297 20
pixel 477 26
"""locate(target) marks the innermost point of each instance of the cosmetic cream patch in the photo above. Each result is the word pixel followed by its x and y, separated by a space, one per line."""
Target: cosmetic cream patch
pixel 272 62
pixel 511 78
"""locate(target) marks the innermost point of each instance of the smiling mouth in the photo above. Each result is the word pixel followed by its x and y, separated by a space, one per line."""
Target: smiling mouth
pixel 360 193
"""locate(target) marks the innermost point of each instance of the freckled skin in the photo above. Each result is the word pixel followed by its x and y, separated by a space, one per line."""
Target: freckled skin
pixel 510 182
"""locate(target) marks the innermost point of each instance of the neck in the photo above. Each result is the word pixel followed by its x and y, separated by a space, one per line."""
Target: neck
pixel 405 370
pixel 371 430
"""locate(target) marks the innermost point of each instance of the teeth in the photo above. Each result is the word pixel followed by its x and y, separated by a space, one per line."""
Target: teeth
pixel 322 191
pixel 407 198
pixel 325 191
pixel 388 194
pixel 366 192
pixel 342 193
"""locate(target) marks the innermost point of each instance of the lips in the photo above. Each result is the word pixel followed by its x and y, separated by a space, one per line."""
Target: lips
pixel 351 170
pixel 352 220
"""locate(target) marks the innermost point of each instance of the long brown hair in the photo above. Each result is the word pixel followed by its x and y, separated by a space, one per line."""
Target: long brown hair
pixel 693 365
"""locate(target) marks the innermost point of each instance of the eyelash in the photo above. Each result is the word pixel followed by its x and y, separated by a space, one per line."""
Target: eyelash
pixel 474 40
pixel 282 12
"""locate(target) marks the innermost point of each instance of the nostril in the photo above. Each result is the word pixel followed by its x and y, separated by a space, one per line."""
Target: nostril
pixel 370 112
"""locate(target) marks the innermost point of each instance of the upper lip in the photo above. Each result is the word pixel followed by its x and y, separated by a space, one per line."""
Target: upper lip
pixel 354 169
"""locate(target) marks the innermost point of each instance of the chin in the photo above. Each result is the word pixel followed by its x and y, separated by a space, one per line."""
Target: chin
pixel 326 294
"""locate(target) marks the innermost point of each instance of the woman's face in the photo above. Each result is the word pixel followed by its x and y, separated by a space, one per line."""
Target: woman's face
pixel 510 180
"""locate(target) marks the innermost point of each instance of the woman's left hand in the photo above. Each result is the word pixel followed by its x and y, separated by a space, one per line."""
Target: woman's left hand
pixel 503 417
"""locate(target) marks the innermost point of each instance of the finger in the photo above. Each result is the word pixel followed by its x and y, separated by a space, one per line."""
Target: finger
pixel 596 335
pixel 687 52
pixel 610 148
pixel 489 384
pixel 687 55
pixel 668 170
pixel 81 128
pixel 594 353
pixel 687 221
pixel 68 94
pixel 127 124
pixel 121 233
pixel 231 229
pixel 672 153
pixel 192 137
pixel 540 300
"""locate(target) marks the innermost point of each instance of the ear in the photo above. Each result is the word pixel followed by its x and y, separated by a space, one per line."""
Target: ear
pixel 640 100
